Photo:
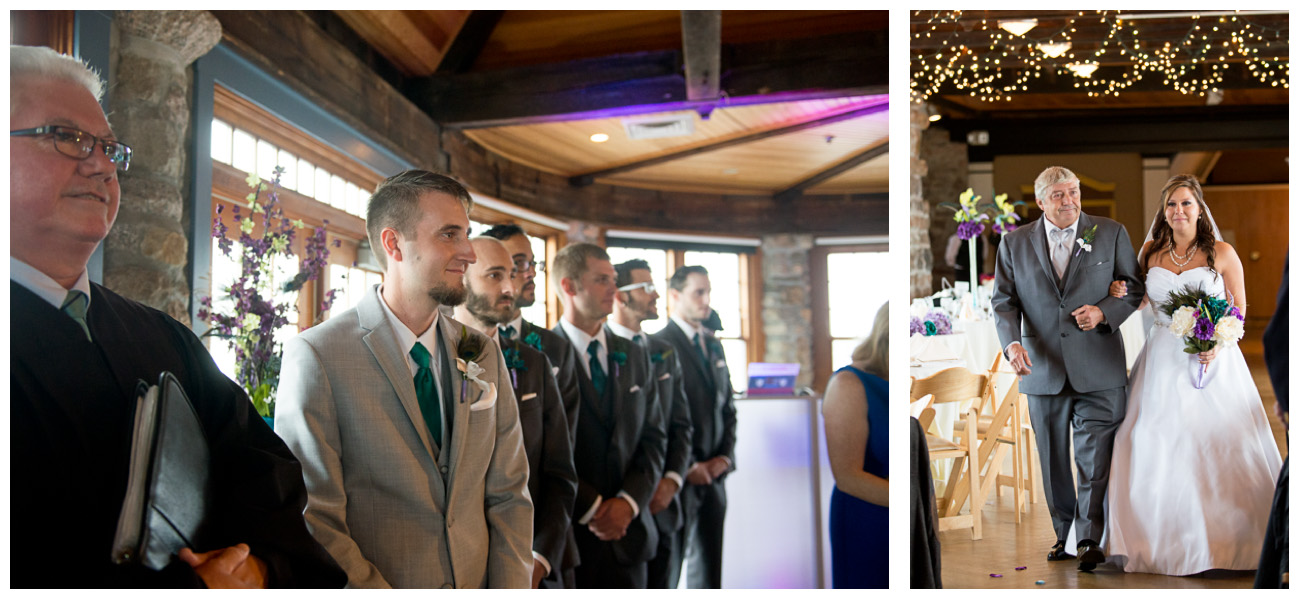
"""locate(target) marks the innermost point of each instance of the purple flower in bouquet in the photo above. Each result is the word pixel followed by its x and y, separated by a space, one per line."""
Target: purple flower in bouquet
pixel 938 323
pixel 1204 329
pixel 1236 312
pixel 969 229
pixel 916 326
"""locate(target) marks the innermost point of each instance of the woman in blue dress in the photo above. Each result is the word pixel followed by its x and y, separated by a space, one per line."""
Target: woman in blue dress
pixel 857 441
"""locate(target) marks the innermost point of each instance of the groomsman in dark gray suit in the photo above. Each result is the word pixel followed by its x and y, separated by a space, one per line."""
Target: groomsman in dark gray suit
pixel 619 453
pixel 1060 332
pixel 634 304
pixel 564 358
pixel 552 482
pixel 707 383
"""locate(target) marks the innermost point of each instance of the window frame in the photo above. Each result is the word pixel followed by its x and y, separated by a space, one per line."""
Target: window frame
pixel 818 271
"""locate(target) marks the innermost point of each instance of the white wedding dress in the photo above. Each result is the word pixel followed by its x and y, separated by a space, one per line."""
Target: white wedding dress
pixel 1193 470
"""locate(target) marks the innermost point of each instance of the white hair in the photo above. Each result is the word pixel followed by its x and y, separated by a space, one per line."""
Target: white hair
pixel 1050 177
pixel 42 61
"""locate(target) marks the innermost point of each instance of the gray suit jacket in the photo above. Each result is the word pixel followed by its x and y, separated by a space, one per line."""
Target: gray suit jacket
pixel 1031 307
pixel 667 371
pixel 391 508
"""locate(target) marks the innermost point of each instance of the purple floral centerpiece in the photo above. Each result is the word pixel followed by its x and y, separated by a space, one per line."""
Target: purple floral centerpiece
pixel 936 322
pixel 250 327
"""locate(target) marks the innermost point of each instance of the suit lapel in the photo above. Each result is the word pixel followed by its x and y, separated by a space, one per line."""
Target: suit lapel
pixel 382 342
pixel 619 384
pixel 688 347
pixel 457 408
pixel 589 395
pixel 1038 239
pixel 1084 224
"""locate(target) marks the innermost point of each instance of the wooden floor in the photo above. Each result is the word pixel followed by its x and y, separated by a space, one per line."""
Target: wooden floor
pixel 1005 545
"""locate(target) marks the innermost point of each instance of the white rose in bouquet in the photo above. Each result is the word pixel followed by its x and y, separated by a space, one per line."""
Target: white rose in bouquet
pixel 1228 330
pixel 1184 320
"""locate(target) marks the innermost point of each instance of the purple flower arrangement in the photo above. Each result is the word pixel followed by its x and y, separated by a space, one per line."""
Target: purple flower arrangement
pixel 1203 321
pixel 936 322
pixel 250 328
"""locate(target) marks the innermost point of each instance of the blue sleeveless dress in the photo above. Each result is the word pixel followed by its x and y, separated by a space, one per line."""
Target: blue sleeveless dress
pixel 860 530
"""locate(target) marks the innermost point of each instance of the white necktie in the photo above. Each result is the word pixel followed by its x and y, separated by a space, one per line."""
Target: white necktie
pixel 1060 251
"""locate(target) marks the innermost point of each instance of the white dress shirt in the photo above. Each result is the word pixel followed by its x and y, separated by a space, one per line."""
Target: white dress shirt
pixel 44 286
pixel 406 339
pixel 580 341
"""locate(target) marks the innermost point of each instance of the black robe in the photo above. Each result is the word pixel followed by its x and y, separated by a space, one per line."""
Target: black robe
pixel 72 408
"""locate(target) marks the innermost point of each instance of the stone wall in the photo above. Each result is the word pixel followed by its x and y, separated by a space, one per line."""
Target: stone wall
pixel 921 258
pixel 945 179
pixel 787 304
pixel 150 95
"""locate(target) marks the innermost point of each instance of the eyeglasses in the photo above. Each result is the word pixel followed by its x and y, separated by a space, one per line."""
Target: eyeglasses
pixel 648 285
pixel 524 265
pixel 78 144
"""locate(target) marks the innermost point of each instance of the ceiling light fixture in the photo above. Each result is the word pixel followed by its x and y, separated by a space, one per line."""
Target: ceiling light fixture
pixel 1083 69
pixel 1018 26
pixel 1054 49
pixel 599 137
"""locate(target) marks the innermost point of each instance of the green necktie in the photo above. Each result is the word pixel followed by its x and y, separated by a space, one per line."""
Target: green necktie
pixel 598 378
pixel 75 305
pixel 507 332
pixel 699 349
pixel 427 393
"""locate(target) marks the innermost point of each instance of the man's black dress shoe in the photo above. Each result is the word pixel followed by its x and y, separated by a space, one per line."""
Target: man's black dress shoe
pixel 1090 555
pixel 1058 552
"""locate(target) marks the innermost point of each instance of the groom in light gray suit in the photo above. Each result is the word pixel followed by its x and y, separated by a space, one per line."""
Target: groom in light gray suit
pixel 404 420
pixel 1060 332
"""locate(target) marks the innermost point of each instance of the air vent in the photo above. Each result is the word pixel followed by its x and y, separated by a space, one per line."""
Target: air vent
pixel 660 126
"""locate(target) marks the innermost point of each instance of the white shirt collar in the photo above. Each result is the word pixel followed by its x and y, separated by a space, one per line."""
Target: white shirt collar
pixel 1051 227
pixel 624 332
pixel 687 328
pixel 45 286
pixel 581 340
pixel 518 324
pixel 407 338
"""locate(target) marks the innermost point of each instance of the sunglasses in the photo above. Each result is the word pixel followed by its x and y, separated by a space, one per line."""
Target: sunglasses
pixel 648 285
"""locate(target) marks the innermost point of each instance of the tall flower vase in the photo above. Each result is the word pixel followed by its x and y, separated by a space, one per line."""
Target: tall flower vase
pixel 974 275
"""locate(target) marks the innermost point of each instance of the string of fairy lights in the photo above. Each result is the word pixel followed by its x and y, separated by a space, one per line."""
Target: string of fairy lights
pixel 992 59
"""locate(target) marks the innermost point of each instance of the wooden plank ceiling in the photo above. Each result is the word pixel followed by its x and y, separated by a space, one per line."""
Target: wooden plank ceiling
pixel 534 86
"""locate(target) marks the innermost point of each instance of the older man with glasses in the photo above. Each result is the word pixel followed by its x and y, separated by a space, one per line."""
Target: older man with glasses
pixel 78 352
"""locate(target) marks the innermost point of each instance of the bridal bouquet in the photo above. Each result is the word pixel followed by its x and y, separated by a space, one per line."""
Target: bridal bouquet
pixel 1202 320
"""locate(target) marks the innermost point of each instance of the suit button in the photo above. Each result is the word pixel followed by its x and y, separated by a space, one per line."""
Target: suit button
pixel 1065 335
pixel 443 470
pixel 1062 305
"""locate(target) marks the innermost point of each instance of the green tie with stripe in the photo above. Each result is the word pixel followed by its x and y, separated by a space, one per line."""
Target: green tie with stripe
pixel 598 378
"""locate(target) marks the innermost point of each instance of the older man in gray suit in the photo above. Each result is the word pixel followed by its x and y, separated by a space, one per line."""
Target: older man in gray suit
pixel 1060 332
pixel 405 420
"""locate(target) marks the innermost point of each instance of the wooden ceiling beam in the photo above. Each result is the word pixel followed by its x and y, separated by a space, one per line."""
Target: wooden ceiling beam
pixel 465 48
pixel 823 67
pixel 702 49
pixel 796 190
pixel 586 179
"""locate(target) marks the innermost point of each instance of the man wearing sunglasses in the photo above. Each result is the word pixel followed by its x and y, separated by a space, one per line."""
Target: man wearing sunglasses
pixel 634 304
pixel 78 352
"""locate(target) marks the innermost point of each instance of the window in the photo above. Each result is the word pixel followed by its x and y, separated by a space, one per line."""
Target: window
pixel 852 299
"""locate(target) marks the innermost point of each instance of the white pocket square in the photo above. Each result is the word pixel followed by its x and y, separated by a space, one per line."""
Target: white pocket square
pixel 555 370
pixel 665 376
pixel 634 389
pixel 528 396
pixel 720 364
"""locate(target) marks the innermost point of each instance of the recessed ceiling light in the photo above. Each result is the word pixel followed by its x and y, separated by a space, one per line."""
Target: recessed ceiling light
pixel 599 137
pixel 935 117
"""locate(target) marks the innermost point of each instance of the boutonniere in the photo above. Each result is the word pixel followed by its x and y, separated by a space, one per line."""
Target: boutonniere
pixel 619 358
pixel 1085 241
pixel 659 357
pixel 469 350
pixel 534 340
pixel 514 363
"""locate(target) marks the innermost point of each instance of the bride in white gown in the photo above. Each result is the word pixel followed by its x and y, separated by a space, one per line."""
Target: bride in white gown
pixel 1193 470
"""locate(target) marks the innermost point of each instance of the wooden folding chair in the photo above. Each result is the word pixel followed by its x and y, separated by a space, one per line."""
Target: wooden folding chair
pixel 998 430
pixel 955 385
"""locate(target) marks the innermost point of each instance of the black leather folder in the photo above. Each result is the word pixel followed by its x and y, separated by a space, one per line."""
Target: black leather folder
pixel 169 490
